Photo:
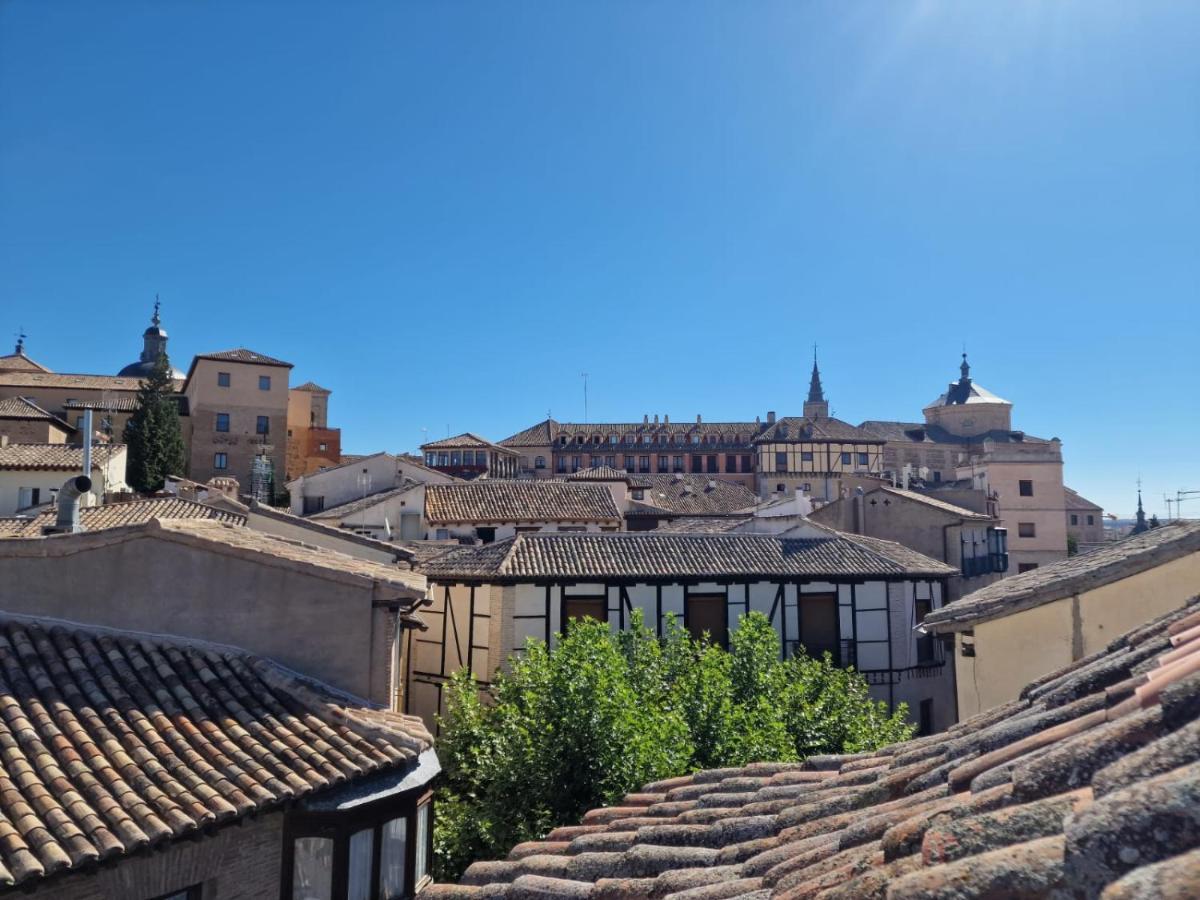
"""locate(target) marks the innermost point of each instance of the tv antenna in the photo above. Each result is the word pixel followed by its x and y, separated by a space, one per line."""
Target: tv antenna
pixel 584 376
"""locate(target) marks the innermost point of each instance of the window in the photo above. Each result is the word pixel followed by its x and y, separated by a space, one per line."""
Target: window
pixel 819 625
pixel 780 461
pixel 263 425
pixel 937 476
pixel 612 438
pixel 713 465
pixel 393 846
pixel 1026 567
pixel 639 494
pixel 539 462
pixel 1074 519
pixel 574 463
pixel 442 534
pixel 697 463
pixel 610 461
pixel 560 464
pixel 643 464
pixel 27 497
pixel 424 841
pixel 863 459
pixel 695 438
pixel 1026 529
pixel 628 463
pixel 1091 520
pixel 313 504
pixel 222 421
pixel 222 379
pixel 664 463
pixel 925 656
pixel 845 459
pixel 730 462
pixel 220 461
pixel 580 607
pixel 806 456
pixel 708 613
pixel 676 463
pixel 780 488
pixel 264 382
pixel 926 718
pixel 747 463
pixel 1025 488
pixel 430 458
pixel 312 868
pixel 322 447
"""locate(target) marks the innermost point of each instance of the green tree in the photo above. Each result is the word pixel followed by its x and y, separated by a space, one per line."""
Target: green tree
pixel 153 433
pixel 601 714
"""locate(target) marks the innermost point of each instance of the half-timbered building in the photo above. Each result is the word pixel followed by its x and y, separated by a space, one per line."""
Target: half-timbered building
pixel 855 597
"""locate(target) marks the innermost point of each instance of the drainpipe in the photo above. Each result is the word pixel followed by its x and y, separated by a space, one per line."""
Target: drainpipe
pixel 68 506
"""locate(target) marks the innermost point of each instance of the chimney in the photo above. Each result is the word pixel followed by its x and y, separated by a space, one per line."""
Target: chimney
pixel 646 419
pixel 68 506
pixel 666 419
pixel 758 420
pixel 656 418
pixel 697 418
pixel 771 417
pixel 860 510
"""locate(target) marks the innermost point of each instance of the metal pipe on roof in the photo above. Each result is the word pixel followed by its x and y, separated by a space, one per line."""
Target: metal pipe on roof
pixel 87 442
pixel 67 502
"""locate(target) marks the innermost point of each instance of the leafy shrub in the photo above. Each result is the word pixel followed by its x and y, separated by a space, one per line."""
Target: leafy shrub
pixel 601 714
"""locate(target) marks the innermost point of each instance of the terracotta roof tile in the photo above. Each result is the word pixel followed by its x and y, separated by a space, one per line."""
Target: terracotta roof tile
pixel 54 456
pixel 466 439
pixel 112 741
pixel 68 380
pixel 653 555
pixel 131 512
pixel 242 355
pixel 897 823
pixel 691 495
pixel 20 408
pixel 489 500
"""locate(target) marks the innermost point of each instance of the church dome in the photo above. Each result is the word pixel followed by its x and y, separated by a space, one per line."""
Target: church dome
pixel 154 344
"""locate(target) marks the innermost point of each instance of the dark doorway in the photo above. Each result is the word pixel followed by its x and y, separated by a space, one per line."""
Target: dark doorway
pixel 708 612
pixel 819 625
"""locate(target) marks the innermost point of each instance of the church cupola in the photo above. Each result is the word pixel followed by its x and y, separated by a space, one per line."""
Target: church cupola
pixel 154 345
pixel 816 406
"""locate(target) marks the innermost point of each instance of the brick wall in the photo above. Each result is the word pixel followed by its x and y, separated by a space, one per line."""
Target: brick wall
pixel 239 862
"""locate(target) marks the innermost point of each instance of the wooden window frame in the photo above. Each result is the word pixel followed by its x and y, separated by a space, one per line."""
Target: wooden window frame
pixel 341 825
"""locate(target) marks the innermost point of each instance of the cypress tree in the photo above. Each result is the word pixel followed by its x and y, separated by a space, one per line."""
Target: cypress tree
pixel 153 433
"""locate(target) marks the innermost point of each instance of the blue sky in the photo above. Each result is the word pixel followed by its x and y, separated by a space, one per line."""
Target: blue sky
pixel 446 211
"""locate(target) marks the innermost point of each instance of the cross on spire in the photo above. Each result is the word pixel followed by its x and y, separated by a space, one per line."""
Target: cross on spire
pixel 155 319
pixel 21 339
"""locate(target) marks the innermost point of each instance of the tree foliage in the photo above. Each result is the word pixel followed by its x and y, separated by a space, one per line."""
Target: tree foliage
pixel 601 714
pixel 153 433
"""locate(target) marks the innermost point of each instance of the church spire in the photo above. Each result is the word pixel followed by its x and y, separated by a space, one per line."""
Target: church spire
pixel 20 351
pixel 1141 524
pixel 965 368
pixel 816 407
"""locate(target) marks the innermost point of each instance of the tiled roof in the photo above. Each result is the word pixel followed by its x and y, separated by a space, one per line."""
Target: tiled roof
pixel 649 554
pixel 19 362
pixel 1086 786
pixel 925 499
pixel 68 380
pixel 601 473
pixel 1084 572
pixel 54 456
pixel 549 431
pixel 131 512
pixel 920 433
pixel 1075 501
pixel 20 408
pixel 466 439
pixel 691 495
pixel 803 428
pixel 242 355
pixel 116 404
pixel 311 387
pixel 234 540
pixel 494 500
pixel 343 510
pixel 703 524
pixel 118 742
pixel 539 435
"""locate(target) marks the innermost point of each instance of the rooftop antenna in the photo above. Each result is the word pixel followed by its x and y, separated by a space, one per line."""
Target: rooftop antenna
pixel 584 376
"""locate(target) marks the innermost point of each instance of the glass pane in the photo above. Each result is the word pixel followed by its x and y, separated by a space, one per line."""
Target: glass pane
pixel 421 864
pixel 358 879
pixel 312 869
pixel 391 859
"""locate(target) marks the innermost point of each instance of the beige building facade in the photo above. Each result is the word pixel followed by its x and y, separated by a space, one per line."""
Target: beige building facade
pixel 32 474
pixel 237 412
pixel 1023 628
pixel 312 445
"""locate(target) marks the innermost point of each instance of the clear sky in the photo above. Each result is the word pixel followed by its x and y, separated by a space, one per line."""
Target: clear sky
pixel 446 211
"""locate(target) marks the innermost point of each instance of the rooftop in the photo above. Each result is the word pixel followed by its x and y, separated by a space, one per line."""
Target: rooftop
pixel 232 540
pixel 1090 778
pixel 1084 572
pixel 55 457
pixel 311 387
pixel 465 440
pixel 20 408
pixel 116 515
pixel 932 502
pixel 349 508
pixel 649 554
pixel 703 524
pixel 497 501
pixel 691 495
pixel 920 433
pixel 1076 501
pixel 319 528
pixel 68 380
pixel 802 428
pixel 242 355
pixel 119 742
